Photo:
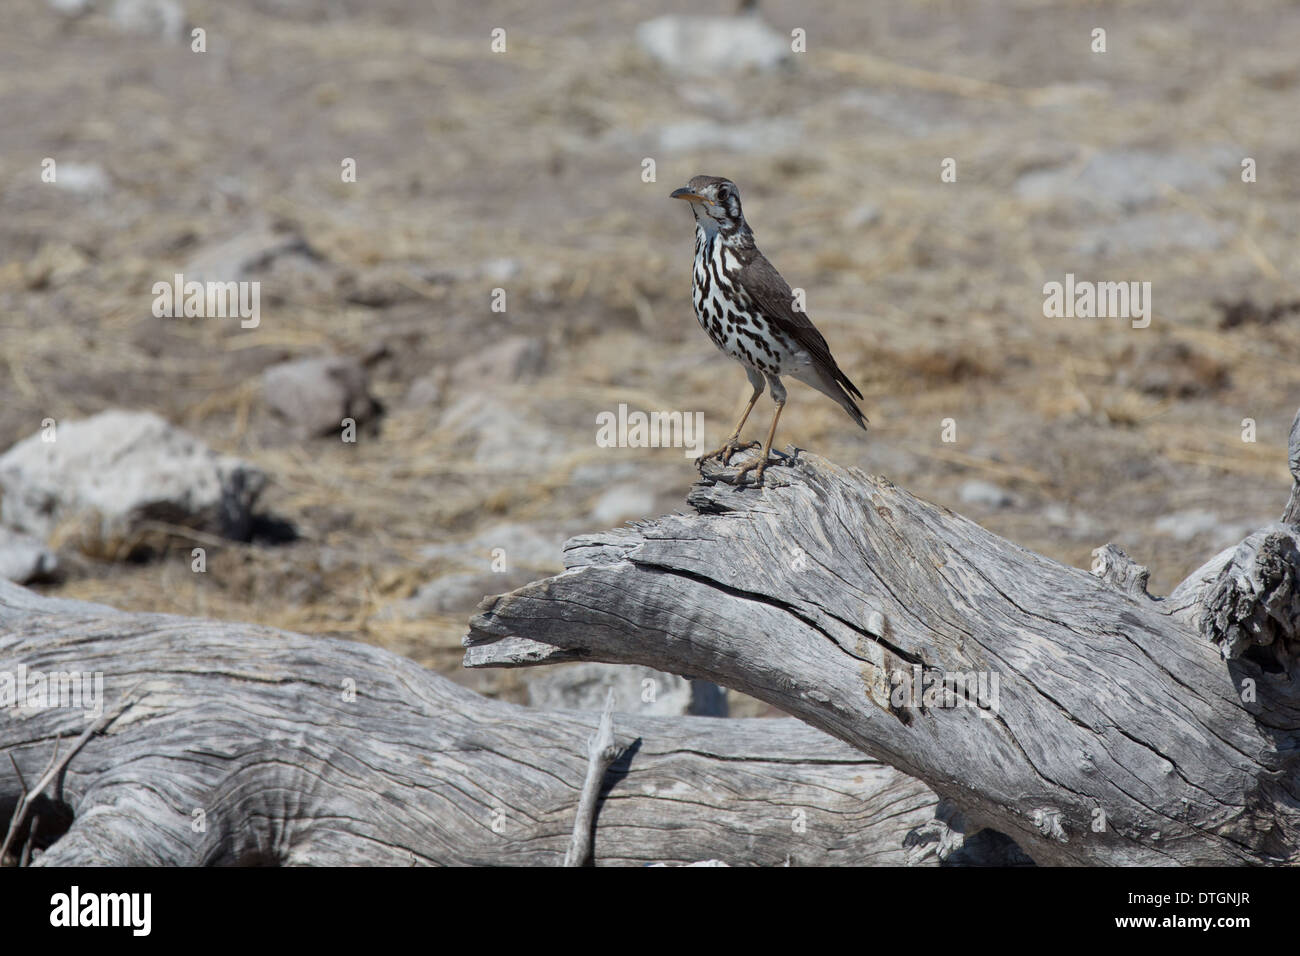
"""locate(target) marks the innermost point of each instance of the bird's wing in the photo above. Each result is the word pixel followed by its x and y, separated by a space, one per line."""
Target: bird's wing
pixel 773 296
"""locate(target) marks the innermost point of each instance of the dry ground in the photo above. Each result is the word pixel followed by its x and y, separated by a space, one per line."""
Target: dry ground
pixel 523 171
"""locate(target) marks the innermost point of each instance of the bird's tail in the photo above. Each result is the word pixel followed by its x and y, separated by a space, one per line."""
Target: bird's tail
pixel 837 387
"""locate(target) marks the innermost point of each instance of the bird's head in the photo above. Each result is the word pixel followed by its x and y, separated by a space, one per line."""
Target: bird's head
pixel 715 202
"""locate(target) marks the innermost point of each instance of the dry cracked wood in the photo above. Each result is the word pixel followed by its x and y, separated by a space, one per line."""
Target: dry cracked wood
pixel 241 744
pixel 1125 728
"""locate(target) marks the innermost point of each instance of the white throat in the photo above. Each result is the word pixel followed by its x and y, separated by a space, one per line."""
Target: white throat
pixel 707 226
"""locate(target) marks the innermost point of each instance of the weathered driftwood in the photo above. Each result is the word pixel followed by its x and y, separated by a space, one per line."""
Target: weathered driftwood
pixel 1126 728
pixel 241 744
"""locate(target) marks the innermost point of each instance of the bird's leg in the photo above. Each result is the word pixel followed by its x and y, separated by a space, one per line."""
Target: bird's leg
pixel 759 465
pixel 730 446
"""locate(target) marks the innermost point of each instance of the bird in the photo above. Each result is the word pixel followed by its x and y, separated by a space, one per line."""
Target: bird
pixel 751 314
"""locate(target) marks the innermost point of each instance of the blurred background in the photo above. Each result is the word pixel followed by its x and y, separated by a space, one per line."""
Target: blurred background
pixel 524 170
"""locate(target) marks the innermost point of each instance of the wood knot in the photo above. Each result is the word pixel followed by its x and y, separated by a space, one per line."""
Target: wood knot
pixel 1120 571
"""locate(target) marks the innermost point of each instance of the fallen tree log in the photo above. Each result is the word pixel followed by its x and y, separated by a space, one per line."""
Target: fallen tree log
pixel 237 744
pixel 1106 726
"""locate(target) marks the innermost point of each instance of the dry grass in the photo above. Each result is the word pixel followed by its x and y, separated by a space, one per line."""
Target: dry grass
pixel 934 307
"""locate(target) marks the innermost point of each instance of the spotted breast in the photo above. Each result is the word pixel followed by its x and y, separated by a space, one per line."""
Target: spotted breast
pixel 730 316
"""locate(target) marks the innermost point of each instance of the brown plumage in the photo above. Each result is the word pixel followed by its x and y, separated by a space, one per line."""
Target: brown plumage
pixel 748 310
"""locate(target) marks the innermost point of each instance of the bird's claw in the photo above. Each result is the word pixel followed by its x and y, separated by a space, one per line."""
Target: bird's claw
pixel 724 452
pixel 757 466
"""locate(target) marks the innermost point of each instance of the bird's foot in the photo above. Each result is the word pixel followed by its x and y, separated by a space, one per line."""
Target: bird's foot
pixel 757 466
pixel 725 451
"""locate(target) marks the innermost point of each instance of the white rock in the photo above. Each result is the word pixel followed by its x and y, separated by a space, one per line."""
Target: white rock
pixel 315 395
pixel 1069 523
pixel 84 179
pixel 158 18
pixel 24 558
pixel 119 470
pixel 427 390
pixel 243 256
pixel 986 494
pixel 621 503
pixel 703 46
pixel 499 270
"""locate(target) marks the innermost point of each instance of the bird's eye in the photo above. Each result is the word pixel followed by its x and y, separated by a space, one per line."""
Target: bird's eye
pixel 723 194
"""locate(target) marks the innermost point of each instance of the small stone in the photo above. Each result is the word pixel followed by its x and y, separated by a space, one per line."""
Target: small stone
pixel 986 494
pixel 24 559
pixel 426 391
pixel 164 19
pixel 703 46
pixel 116 475
pixel 242 257
pixel 84 179
pixel 315 395
pixel 622 503
pixel 499 270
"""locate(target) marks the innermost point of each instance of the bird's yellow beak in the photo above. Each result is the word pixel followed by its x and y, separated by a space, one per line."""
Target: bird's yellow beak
pixel 685 193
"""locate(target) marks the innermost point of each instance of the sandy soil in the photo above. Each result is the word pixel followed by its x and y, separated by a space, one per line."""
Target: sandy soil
pixel 523 170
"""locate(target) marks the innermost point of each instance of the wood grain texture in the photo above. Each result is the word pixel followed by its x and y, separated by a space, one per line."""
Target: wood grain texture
pixel 1291 515
pixel 1120 733
pixel 251 727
